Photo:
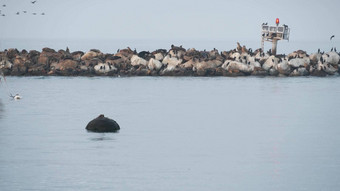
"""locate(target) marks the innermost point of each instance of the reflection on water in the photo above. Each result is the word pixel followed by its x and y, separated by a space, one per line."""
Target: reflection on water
pixel 1 109
pixel 102 137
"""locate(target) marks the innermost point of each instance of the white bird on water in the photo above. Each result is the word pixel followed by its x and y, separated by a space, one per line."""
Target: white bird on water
pixel 16 97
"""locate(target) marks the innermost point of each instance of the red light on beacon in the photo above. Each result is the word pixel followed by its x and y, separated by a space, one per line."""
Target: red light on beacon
pixel 277 21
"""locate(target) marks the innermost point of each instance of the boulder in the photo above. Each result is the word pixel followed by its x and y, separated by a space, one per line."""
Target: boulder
pixel 104 68
pixel 155 64
pixel 332 58
pixel 136 61
pixel 270 63
pixel 102 124
pixel 234 66
pixel 284 68
pixel 299 62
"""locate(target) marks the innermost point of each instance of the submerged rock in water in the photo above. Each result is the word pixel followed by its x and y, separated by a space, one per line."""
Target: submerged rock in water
pixel 102 124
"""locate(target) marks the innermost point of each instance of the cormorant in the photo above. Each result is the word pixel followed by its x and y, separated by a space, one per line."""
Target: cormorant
pixel 332 49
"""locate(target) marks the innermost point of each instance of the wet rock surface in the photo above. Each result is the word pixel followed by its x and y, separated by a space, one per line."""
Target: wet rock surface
pixel 177 61
pixel 102 124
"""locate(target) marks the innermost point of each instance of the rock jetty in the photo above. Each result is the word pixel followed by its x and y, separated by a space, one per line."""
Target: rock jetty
pixel 177 61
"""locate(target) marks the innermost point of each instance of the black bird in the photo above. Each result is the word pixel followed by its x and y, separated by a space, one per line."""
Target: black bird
pixel 265 23
pixel 4 5
pixel 319 50
pixel 34 13
pixel 42 13
pixel 18 13
pixel 332 37
pixel 332 49
pixel 33 2
pixel 3 15
pixel 25 11
pixel 321 59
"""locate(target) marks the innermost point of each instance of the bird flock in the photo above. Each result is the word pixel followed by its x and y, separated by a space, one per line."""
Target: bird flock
pixel 24 12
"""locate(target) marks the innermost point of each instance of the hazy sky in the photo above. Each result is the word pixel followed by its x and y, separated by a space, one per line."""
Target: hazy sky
pixel 312 20
pixel 174 19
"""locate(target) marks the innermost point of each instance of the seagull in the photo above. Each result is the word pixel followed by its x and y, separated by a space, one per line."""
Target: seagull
pixel 332 37
pixel 17 96
pixel 33 2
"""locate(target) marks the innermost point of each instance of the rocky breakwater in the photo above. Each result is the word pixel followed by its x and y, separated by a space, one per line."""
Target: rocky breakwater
pixel 174 62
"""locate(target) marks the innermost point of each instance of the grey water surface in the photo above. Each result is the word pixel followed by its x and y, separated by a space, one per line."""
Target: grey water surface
pixel 186 133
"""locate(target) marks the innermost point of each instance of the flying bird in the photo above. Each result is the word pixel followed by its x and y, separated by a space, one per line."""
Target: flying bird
pixel 25 11
pixel 18 13
pixel 332 37
pixel 42 13
pixel 33 2
pixel 34 13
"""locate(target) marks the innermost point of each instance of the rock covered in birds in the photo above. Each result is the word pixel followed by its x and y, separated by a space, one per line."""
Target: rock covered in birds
pixel 102 124
pixel 175 62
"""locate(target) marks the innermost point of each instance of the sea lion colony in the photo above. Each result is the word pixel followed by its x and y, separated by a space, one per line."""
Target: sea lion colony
pixel 175 62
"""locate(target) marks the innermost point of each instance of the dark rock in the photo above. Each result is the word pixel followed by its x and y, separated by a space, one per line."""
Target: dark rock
pixel 319 73
pixel 102 124
pixel 12 53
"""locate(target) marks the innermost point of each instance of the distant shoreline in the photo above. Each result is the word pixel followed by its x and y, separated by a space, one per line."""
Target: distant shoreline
pixel 177 61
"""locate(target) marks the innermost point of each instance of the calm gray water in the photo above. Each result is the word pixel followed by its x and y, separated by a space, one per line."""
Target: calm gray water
pixel 190 134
